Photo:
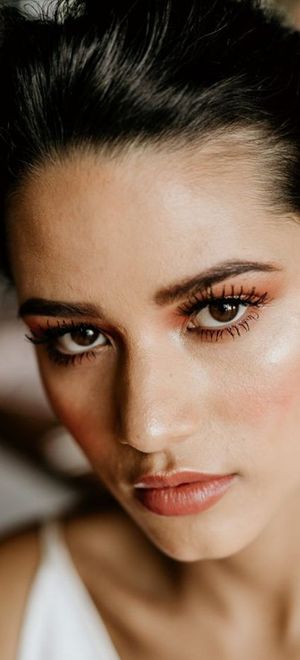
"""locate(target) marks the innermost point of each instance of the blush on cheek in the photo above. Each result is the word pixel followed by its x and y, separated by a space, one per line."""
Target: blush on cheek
pixel 269 390
pixel 70 410
pixel 78 424
pixel 84 424
pixel 85 419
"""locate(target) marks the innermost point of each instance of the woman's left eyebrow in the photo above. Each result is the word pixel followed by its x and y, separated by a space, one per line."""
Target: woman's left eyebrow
pixel 212 275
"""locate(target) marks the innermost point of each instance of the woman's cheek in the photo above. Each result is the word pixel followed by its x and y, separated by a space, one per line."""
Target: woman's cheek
pixel 83 409
pixel 267 387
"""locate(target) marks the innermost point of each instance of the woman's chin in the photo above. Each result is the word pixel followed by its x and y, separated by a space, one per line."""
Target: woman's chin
pixel 200 544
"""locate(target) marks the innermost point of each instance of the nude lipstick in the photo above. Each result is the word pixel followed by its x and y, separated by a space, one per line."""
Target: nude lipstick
pixel 181 493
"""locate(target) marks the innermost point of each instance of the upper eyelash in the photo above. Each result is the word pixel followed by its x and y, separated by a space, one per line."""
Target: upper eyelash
pixel 53 332
pixel 200 299
pixel 48 336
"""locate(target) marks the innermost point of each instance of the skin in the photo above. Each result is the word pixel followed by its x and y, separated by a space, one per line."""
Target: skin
pixel 293 9
pixel 112 232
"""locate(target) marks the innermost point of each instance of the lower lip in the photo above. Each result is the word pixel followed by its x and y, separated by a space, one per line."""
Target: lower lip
pixel 185 498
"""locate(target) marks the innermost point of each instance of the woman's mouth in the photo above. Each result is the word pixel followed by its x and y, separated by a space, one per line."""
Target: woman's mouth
pixel 181 493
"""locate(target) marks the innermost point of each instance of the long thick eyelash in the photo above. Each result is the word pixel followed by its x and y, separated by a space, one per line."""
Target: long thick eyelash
pixel 53 332
pixel 233 330
pixel 48 336
pixel 200 300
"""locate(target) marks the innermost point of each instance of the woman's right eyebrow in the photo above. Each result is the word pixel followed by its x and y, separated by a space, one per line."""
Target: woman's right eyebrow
pixel 44 307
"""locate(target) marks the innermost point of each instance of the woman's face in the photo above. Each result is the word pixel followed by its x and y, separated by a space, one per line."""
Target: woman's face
pixel 145 370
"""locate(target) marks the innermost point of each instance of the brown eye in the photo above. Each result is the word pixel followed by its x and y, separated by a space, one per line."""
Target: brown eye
pixel 79 340
pixel 217 314
pixel 223 312
pixel 84 337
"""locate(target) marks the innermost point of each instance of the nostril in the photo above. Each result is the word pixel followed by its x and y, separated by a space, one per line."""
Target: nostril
pixel 154 436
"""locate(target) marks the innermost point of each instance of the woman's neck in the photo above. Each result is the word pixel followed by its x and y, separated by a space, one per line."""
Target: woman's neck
pixel 259 585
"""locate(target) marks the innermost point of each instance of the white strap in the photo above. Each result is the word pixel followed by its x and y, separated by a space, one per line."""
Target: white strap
pixel 58 604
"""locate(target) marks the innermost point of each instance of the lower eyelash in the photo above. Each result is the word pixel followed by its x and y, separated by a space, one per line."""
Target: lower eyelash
pixel 65 359
pixel 210 334
pixel 47 338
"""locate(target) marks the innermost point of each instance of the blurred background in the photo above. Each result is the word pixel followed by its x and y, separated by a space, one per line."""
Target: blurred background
pixel 42 471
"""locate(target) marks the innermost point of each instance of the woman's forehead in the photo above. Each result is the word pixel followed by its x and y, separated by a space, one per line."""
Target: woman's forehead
pixel 139 219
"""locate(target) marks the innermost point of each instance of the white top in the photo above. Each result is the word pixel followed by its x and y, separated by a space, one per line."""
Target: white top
pixel 61 621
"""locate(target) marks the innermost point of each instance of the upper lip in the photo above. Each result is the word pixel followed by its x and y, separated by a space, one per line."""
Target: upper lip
pixel 173 479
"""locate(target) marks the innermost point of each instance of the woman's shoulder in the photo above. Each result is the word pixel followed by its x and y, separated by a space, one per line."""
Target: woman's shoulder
pixel 19 558
pixel 112 557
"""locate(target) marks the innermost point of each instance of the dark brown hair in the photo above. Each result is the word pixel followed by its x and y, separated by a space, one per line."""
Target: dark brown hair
pixel 111 72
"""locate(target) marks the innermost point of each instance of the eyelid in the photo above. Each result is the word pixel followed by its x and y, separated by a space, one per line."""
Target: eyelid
pixel 51 334
pixel 42 333
pixel 201 299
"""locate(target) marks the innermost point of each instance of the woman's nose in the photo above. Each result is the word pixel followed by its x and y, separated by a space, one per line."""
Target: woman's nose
pixel 156 401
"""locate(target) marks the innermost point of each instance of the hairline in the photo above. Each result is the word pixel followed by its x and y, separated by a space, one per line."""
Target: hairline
pixel 253 143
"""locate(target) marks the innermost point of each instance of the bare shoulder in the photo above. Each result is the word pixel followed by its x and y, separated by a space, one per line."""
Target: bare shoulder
pixel 19 558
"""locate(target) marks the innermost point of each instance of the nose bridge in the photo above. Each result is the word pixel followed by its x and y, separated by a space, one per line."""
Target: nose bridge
pixel 154 398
